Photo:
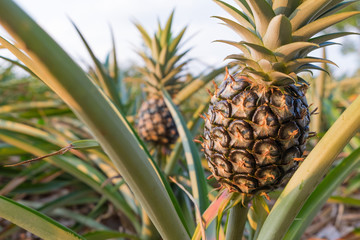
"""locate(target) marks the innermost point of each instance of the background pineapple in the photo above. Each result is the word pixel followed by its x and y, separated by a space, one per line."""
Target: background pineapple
pixel 163 65
pixel 258 120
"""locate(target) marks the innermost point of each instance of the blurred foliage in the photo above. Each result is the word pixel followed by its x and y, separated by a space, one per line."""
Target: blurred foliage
pixel 352 24
pixel 15 86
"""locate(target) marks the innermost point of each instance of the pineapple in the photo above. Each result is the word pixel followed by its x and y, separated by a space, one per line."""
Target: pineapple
pixel 257 124
pixel 155 123
pixel 163 68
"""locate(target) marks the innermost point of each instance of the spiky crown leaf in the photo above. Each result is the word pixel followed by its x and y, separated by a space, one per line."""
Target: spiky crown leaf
pixel 163 62
pixel 278 36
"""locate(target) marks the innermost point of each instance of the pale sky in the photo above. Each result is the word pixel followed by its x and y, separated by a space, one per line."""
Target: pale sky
pixel 93 18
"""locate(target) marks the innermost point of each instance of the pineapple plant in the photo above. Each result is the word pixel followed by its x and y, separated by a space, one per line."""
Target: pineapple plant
pixel 163 67
pixel 257 123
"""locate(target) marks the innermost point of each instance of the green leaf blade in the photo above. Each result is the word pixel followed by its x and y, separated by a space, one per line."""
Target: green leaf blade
pixel 35 222
pixel 107 124
pixel 196 172
pixel 318 198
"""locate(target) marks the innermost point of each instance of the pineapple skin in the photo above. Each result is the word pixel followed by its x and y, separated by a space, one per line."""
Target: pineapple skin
pixel 155 123
pixel 255 136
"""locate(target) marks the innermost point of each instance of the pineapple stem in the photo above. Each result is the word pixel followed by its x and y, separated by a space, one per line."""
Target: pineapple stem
pixel 237 219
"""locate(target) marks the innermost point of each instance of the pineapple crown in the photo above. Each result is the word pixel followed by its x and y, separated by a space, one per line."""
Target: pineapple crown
pixel 163 62
pixel 278 35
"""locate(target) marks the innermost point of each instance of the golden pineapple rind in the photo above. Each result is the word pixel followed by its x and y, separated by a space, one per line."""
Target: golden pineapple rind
pixel 253 138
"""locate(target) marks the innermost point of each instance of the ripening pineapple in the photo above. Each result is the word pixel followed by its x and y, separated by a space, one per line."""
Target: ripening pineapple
pixel 155 123
pixel 163 67
pixel 258 119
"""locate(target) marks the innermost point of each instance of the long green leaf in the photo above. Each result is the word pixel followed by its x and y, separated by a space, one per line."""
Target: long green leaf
pixel 113 67
pixel 237 14
pixel 243 32
pixel 20 65
pixel 85 220
pixel 102 235
pixel 22 57
pixel 30 130
pixel 345 200
pixel 310 173
pixel 318 198
pixel 332 5
pixel 107 84
pixel 289 51
pixel 263 13
pixel 196 171
pixel 278 32
pixel 166 32
pixel 9 150
pixel 109 127
pixel 23 106
pixel 196 85
pixel 311 29
pixel 330 36
pixel 336 8
pixel 285 7
pixel 305 11
pixel 75 167
pixel 246 9
pixel 144 34
pixel 174 156
pixel 34 222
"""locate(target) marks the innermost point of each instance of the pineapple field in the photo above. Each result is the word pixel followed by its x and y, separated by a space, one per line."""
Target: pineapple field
pixel 263 146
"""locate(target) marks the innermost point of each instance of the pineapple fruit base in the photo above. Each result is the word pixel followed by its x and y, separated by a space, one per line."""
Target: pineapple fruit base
pixel 255 136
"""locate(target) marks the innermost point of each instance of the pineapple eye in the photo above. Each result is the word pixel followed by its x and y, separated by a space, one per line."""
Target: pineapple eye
pixel 245 183
pixel 244 104
pixel 278 99
pixel 289 135
pixel 241 134
pixel 268 175
pixel 267 152
pixel 282 105
pixel 223 108
pixel 242 127
pixel 229 88
pixel 250 100
pixel 223 168
pixel 221 139
pixel 266 123
pixel 288 158
pixel 242 161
